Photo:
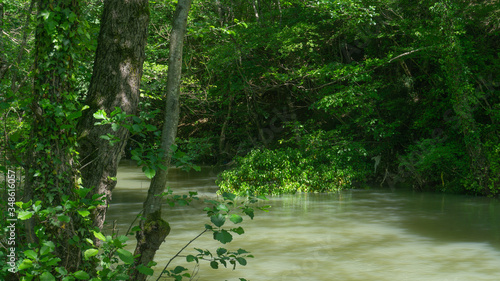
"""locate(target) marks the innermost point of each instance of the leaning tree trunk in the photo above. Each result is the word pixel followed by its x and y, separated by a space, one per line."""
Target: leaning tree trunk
pixel 154 229
pixel 115 83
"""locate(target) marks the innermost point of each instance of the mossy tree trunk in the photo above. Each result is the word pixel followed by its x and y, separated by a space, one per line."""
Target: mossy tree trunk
pixel 154 229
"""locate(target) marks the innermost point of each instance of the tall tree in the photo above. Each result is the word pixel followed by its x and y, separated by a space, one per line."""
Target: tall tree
pixel 51 168
pixel 154 229
pixel 115 83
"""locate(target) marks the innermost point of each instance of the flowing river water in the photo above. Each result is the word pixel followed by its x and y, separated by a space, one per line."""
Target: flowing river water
pixel 376 234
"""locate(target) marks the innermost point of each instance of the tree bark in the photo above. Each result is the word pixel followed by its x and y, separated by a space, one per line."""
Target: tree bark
pixel 115 83
pixel 154 229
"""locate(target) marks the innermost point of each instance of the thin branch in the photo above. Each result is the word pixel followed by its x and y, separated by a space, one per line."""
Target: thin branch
pixel 178 253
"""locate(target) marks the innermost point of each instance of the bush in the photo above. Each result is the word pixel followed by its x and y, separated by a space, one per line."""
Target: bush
pixel 315 166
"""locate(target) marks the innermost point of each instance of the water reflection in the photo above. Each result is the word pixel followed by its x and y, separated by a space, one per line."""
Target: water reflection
pixel 353 235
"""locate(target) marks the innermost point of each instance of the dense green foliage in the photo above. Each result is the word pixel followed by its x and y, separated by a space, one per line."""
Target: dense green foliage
pixel 300 96
pixel 411 84
pixel 316 165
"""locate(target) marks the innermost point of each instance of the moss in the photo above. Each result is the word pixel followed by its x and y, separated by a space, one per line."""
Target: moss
pixel 155 230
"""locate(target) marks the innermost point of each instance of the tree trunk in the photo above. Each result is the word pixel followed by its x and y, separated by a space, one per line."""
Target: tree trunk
pixel 50 167
pixel 154 229
pixel 115 83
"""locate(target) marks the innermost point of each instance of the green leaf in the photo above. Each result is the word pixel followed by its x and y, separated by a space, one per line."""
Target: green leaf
pixel 47 248
pixel 238 230
pixel 191 258
pixel 115 127
pixel 249 212
pixel 24 215
pixel 90 253
pixel 221 251
pixel 31 254
pixel 150 128
pixel 25 264
pixel 125 256
pixel 242 261
pixel 235 218
pixel 83 213
pixel 179 269
pixel 81 275
pixel 214 264
pixel 82 192
pixel 99 236
pixel 222 207
pixel 47 276
pixel 64 218
pixel 74 115
pixel 100 114
pixel 228 196
pixel 150 173
pixel 218 220
pixel 242 251
pixel 223 236
pixel 145 270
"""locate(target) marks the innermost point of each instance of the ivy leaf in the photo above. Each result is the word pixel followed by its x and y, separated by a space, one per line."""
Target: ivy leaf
pixel 223 236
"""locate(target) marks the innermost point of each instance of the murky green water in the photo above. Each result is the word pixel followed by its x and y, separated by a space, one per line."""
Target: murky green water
pixel 354 235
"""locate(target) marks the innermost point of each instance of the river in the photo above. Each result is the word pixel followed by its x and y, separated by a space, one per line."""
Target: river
pixel 376 234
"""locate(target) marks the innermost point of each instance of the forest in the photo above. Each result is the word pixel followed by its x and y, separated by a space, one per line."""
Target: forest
pixel 288 96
